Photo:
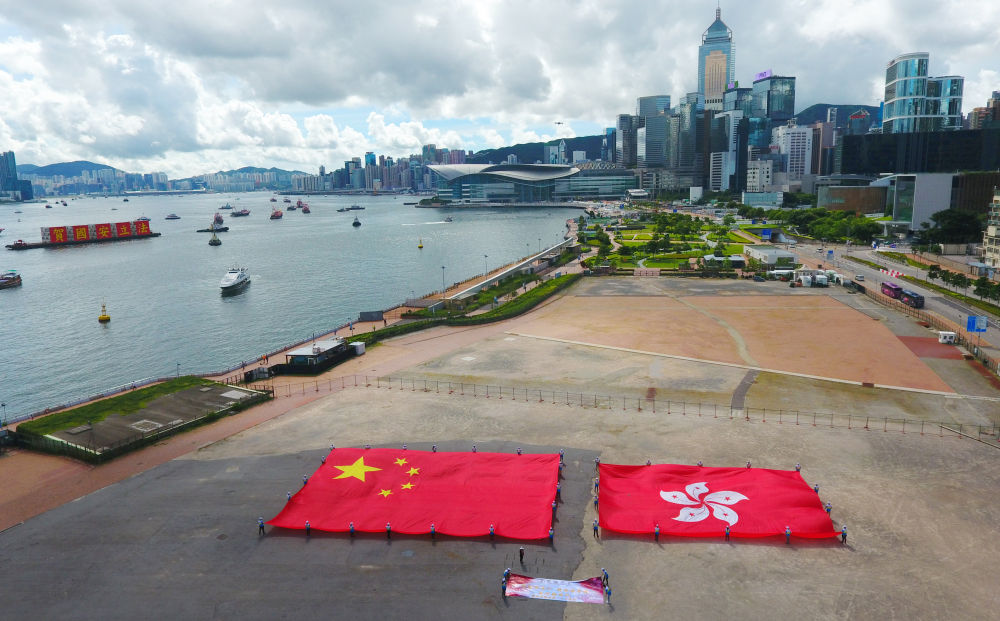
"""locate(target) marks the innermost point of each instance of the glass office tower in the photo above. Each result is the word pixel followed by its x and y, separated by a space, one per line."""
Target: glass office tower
pixel 774 98
pixel 716 62
pixel 915 102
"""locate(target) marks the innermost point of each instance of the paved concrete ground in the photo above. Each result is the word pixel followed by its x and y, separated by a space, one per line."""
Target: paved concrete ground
pixel 182 537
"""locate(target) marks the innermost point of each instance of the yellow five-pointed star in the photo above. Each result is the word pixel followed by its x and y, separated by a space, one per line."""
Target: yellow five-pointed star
pixel 400 461
pixel 407 485
pixel 413 471
pixel 356 470
pixel 385 493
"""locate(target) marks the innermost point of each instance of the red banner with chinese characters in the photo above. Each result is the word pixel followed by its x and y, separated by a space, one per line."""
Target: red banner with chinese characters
pixel 141 227
pixel 57 235
pixel 692 501
pixel 81 232
pixel 123 229
pixel 102 231
pixel 461 494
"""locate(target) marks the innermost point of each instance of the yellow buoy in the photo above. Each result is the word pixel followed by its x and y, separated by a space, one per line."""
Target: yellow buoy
pixel 421 244
pixel 104 317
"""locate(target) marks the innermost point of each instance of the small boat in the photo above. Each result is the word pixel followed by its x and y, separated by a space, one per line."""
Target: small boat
pixel 276 214
pixel 217 219
pixel 274 200
pixel 342 209
pixel 305 209
pixel 226 206
pixel 48 206
pixel 64 204
pixel 448 219
pixel 142 219
pixel 9 279
pixel 215 241
pixel 286 200
pixel 241 212
pixel 355 208
pixel 421 244
pixel 104 317
pixel 18 211
pixel 172 216
pixel 356 222
pixel 299 203
pixel 124 200
pixel 291 208
pixel 235 280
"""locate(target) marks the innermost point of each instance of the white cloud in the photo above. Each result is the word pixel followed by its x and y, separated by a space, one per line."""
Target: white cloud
pixel 202 84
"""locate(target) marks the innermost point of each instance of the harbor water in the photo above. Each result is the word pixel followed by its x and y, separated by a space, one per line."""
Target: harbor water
pixel 310 273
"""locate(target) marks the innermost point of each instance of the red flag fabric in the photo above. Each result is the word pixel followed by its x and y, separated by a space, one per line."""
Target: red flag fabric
pixel 462 494
pixel 693 501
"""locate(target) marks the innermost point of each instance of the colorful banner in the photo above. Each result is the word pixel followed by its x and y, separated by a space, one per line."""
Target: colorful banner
pixel 81 232
pixel 123 229
pixel 461 494
pixel 57 235
pixel 692 501
pixel 141 227
pixel 589 591
pixel 102 231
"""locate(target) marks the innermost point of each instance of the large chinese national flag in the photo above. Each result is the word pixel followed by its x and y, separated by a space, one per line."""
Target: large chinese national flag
pixel 460 493
pixel 692 501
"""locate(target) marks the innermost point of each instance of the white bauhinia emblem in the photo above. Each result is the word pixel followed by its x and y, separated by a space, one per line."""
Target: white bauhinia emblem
pixel 699 507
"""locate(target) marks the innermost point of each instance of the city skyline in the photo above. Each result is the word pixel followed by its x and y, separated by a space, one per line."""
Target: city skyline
pixel 308 84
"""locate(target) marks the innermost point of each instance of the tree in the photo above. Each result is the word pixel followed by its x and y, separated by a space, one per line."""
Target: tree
pixel 982 287
pixel 729 220
pixel 952 226
pixel 961 281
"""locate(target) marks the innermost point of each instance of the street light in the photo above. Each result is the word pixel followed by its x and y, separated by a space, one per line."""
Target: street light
pixel 539 244
pixel 3 419
pixel 443 287
pixel 178 369
pixel 486 266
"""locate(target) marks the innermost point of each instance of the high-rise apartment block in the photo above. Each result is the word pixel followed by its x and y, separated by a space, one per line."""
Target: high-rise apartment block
pixel 915 102
pixel 716 62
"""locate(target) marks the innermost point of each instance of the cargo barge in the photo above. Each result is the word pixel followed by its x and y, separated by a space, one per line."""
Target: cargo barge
pixel 77 235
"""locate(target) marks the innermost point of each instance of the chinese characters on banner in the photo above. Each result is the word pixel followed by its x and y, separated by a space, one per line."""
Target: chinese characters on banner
pixel 141 227
pixel 102 231
pixel 81 232
pixel 124 229
pixel 57 234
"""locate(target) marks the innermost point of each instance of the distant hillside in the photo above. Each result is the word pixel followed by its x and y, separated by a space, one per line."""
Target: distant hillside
pixel 254 169
pixel 66 169
pixel 817 112
pixel 530 152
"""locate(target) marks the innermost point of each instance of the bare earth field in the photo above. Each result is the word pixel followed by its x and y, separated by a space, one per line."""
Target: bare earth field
pixel 179 540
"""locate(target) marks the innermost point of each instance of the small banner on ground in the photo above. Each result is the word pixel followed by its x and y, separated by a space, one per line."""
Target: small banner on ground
pixel 589 591
pixel 461 494
pixel 693 501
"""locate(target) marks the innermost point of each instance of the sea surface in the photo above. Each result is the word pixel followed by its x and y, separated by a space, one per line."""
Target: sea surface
pixel 310 273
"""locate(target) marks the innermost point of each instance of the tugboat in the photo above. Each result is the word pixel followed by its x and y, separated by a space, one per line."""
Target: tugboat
pixel 9 279
pixel 215 241
pixel 104 317
pixel 276 214
pixel 172 216
pixel 356 222
pixel 48 206
pixel 241 212
pixel 218 219
pixel 226 206
pixel 305 208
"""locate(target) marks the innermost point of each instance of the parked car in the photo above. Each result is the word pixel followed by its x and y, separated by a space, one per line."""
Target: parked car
pixel 860 278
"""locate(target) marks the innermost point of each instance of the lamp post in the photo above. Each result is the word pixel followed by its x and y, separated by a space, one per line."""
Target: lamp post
pixel 443 287
pixel 486 267
pixel 178 374
pixel 3 418
pixel 539 244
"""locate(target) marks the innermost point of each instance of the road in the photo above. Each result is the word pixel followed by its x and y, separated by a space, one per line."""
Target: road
pixel 945 306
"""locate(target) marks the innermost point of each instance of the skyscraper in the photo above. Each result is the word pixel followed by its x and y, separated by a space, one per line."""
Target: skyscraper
pixel 652 105
pixel 8 172
pixel 774 97
pixel 915 102
pixel 716 62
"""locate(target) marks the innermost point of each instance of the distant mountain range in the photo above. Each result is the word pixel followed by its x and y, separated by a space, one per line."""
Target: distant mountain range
pixel 817 112
pixel 66 169
pixel 530 152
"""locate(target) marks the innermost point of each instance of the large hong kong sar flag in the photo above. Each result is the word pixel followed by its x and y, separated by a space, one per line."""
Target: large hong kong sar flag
pixel 462 494
pixel 692 501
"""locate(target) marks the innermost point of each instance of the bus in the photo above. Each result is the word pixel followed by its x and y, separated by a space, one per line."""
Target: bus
pixel 892 290
pixel 911 299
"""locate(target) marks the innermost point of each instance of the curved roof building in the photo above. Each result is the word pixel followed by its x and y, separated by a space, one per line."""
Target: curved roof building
pixel 526 183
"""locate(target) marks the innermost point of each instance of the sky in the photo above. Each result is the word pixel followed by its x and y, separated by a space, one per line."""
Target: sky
pixel 197 86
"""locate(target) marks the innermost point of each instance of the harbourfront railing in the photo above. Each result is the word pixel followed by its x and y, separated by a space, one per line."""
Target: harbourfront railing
pixel 987 433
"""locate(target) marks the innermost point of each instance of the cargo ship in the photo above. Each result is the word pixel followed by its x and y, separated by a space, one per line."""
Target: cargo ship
pixel 79 234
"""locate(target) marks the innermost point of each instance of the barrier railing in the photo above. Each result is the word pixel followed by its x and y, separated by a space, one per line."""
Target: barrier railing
pixel 665 407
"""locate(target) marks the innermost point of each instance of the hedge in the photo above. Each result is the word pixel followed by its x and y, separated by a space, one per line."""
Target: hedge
pixel 520 304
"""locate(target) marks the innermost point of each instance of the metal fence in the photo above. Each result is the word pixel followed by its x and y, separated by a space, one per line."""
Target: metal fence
pixel 662 407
